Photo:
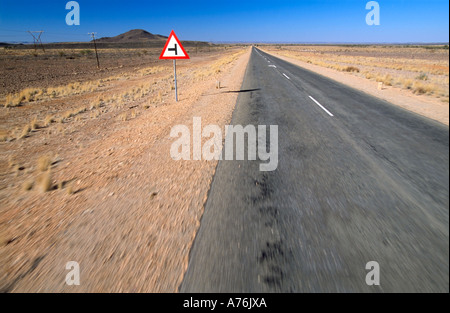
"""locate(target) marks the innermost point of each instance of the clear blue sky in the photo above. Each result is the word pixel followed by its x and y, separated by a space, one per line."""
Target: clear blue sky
pixel 230 20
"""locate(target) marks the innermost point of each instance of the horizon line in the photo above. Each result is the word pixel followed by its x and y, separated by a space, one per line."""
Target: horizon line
pixel 252 42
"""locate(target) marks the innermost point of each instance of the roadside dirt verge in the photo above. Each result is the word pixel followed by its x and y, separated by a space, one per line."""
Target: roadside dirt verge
pixel 421 104
pixel 117 203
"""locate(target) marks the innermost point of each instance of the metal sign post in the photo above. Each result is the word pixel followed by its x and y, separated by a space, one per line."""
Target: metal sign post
pixel 174 50
pixel 175 75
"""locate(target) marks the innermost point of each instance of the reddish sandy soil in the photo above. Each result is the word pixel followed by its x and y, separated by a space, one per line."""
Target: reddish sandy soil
pixel 20 69
pixel 118 205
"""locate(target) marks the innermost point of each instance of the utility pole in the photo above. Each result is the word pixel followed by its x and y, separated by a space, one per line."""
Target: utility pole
pixel 37 38
pixel 95 46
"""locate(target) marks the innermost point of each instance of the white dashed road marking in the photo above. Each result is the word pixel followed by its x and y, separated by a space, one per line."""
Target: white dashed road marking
pixel 321 106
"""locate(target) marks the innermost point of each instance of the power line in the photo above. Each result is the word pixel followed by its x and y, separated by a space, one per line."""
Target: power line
pixel 49 33
pixel 11 30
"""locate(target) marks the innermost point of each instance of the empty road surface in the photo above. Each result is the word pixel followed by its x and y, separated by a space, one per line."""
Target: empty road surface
pixel 358 180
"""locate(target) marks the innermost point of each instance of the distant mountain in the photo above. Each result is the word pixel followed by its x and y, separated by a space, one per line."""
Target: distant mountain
pixel 135 35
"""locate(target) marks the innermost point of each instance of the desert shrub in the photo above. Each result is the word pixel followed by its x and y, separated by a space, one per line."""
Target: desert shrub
pixel 86 52
pixel 407 83
pixel 386 80
pixel 351 69
pixel 422 76
pixel 421 89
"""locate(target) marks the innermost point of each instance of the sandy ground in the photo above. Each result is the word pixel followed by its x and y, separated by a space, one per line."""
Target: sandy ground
pixel 428 106
pixel 132 212
pixel 21 69
pixel 120 206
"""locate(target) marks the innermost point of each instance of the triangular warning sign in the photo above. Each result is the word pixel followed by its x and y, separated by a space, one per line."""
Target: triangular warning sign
pixel 173 49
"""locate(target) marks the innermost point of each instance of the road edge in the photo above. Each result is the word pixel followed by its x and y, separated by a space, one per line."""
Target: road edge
pixel 410 103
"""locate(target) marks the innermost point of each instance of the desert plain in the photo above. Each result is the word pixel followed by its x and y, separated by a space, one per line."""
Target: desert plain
pixel 85 169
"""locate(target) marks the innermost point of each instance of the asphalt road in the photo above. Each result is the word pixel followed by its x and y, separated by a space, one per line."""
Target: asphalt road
pixel 358 180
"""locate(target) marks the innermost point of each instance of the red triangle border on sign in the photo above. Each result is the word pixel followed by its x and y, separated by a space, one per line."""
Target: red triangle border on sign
pixel 162 57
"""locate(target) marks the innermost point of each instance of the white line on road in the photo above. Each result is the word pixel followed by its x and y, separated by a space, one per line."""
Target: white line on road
pixel 329 113
pixel 272 66
pixel 286 76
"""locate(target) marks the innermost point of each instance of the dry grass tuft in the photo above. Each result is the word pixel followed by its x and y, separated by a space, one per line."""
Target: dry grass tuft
pixel 421 88
pixel 123 117
pixel 48 120
pixel 351 69
pixel 70 190
pixel 98 103
pixel 35 94
pixel 407 83
pixel 3 136
pixel 28 185
pixel 34 124
pixel 386 80
pixel 422 76
pixel 12 101
pixel 25 131
pixel 44 181
pixel 67 115
pixel 44 163
pixel 80 110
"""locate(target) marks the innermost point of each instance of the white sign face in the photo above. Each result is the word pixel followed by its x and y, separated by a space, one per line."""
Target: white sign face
pixel 173 49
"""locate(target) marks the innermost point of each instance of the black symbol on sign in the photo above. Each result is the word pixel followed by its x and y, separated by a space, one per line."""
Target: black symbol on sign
pixel 174 49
